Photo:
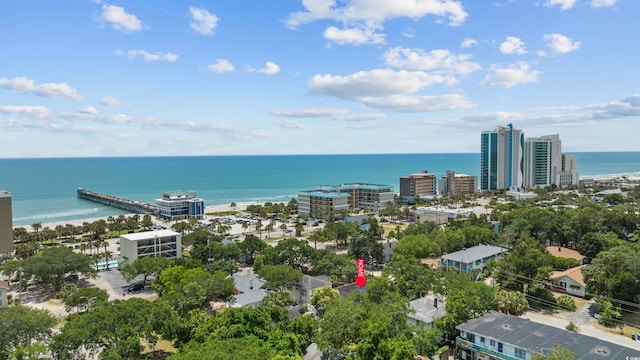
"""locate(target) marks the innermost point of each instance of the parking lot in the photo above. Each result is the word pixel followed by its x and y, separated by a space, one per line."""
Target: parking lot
pixel 114 284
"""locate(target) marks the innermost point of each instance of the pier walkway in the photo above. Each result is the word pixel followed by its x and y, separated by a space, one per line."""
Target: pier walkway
pixel 116 202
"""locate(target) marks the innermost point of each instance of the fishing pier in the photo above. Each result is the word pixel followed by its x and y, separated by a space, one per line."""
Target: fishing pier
pixel 118 203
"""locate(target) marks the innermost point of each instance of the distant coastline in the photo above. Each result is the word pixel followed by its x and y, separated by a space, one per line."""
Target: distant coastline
pixel 44 190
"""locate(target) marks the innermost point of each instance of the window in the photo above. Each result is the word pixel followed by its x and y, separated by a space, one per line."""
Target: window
pixel 492 342
pixel 499 347
pixel 521 353
pixel 481 340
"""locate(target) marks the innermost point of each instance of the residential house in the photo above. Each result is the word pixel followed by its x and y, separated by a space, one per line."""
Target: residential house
pixel 347 289
pixel 495 335
pixel 425 310
pixel 472 259
pixel 4 296
pixel 387 251
pixel 566 253
pixel 248 291
pixel 570 281
pixel 303 291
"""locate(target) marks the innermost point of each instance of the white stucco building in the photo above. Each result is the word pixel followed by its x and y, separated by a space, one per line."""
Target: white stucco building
pixel 165 243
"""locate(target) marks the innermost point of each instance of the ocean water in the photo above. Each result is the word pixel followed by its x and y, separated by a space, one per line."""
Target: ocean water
pixel 44 190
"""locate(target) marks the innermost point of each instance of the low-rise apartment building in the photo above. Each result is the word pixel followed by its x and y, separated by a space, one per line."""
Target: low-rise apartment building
pixel 416 186
pixel 165 243
pixel 452 183
pixel 472 259
pixel 495 335
pixel 325 200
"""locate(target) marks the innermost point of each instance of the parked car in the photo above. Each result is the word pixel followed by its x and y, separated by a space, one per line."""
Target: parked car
pixel 71 277
pixel 137 286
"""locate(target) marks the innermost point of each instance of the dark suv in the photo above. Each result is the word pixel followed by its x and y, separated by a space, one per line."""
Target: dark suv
pixel 137 286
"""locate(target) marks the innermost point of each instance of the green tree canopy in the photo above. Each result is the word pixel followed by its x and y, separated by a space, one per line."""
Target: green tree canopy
pixel 146 266
pixel 52 264
pixel 21 326
pixel 116 328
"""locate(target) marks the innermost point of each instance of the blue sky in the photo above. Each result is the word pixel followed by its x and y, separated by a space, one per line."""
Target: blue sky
pixel 147 78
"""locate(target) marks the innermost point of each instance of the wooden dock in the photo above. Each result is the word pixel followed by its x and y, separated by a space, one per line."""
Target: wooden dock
pixel 118 203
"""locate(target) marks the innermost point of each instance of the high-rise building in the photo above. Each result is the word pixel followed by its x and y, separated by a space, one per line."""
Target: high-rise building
pixel 452 183
pixel 6 222
pixel 416 186
pixel 546 165
pixel 501 155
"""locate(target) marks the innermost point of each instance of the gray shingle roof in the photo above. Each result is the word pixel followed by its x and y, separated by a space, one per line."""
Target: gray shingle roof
pixel 475 253
pixel 536 337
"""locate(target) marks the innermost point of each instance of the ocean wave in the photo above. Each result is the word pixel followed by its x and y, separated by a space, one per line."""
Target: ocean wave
pixel 56 215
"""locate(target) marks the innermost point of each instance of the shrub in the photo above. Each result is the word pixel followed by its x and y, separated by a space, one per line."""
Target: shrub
pixel 566 302
pixel 573 327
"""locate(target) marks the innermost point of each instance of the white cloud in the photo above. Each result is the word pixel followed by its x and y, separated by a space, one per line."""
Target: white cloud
pixel 335 114
pixel 404 103
pixel 157 56
pixel 376 12
pixel 388 89
pixel 515 74
pixel 269 68
pixel 353 36
pixel 561 44
pixel 220 66
pixel 439 61
pixel 294 124
pixel 564 4
pixel 202 21
pixel 373 83
pixel 89 110
pixel 468 42
pixel 120 19
pixel 513 45
pixel 38 112
pixel 602 3
pixel 409 33
pixel 110 101
pixel 25 85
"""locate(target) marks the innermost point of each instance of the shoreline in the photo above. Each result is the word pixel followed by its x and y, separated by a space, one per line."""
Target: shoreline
pixel 78 222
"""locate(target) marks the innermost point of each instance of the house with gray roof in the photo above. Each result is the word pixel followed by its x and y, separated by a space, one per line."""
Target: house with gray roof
pixel 248 291
pixel 495 335
pixel 302 292
pixel 425 310
pixel 473 258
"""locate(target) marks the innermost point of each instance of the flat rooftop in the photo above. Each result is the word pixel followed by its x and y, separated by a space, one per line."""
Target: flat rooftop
pixel 149 235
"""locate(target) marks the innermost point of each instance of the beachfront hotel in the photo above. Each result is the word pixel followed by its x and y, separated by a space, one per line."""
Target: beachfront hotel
pixel 416 186
pixel 501 155
pixel 331 199
pixel 452 183
pixel 545 164
pixel 175 206
pixel 165 243
pixel 6 222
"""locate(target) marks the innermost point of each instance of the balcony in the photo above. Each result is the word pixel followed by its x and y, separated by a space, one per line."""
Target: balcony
pixel 465 344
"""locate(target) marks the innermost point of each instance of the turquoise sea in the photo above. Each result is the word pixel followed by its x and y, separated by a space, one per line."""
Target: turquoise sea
pixel 44 190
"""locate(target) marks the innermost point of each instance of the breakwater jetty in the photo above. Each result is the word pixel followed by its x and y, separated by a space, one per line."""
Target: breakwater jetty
pixel 118 203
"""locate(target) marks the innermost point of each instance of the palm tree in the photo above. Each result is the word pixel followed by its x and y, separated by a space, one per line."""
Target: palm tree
pixel 259 228
pixel 233 206
pixel 37 226
pixel 283 227
pixel 269 228
pixel 111 221
pixel 245 226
